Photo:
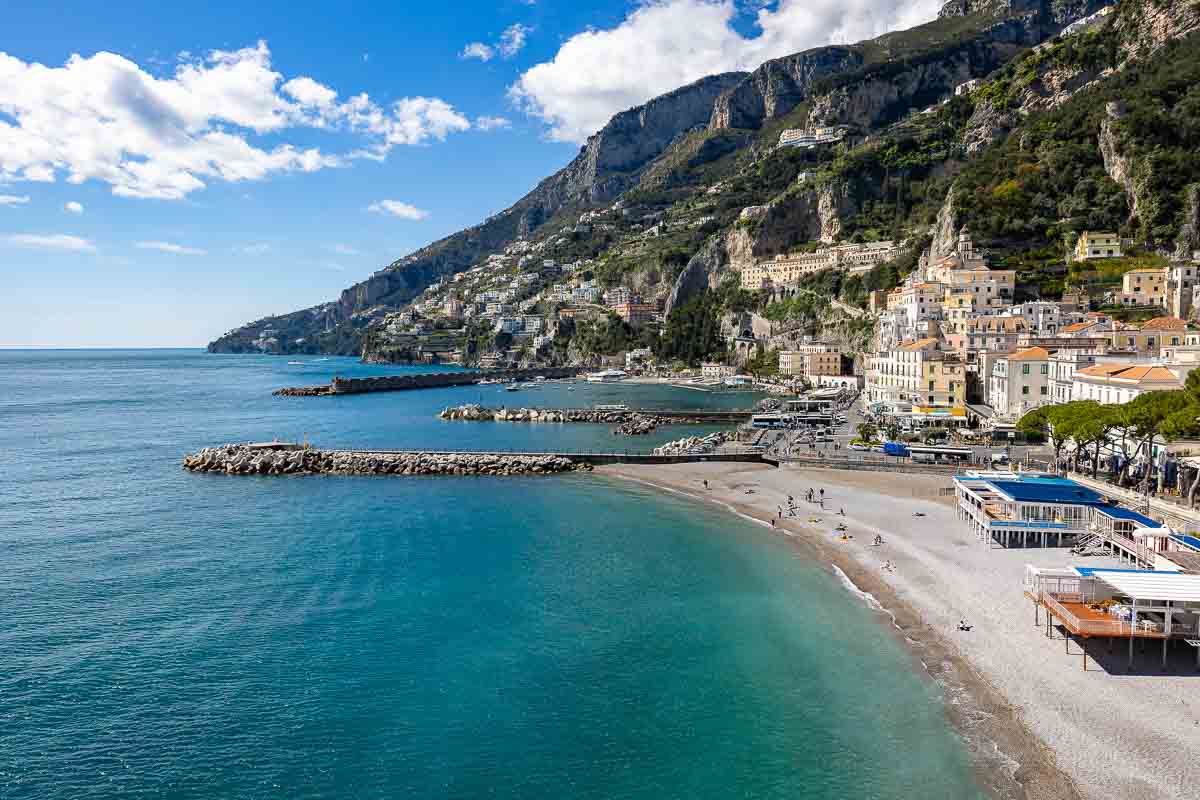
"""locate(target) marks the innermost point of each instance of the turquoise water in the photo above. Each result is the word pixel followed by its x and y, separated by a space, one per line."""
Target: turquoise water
pixel 184 636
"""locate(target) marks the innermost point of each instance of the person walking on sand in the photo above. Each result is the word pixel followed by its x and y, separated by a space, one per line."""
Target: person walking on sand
pixel 706 483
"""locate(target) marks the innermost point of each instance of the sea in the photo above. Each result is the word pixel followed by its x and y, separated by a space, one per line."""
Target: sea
pixel 170 635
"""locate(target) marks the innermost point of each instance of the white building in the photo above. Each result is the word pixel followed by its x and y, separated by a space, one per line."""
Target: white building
pixel 1119 383
pixel 1019 382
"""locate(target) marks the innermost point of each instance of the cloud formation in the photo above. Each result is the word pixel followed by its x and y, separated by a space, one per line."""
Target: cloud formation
pixel 491 123
pixel 72 207
pixel 396 208
pixel 478 50
pixel 511 42
pixel 105 118
pixel 664 44
pixel 13 199
pixel 52 241
pixel 169 247
pixel 345 250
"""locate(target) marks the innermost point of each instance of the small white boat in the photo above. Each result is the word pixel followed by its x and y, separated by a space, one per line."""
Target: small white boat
pixel 296 363
pixel 607 376
pixel 513 387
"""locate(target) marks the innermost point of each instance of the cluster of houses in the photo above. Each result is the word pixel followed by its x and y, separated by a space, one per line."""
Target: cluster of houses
pixel 952 345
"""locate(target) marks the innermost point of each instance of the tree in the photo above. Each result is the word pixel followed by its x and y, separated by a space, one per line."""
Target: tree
pixel 1147 417
pixel 866 431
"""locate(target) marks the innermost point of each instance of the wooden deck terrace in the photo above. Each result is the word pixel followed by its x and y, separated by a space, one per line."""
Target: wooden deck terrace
pixel 1077 616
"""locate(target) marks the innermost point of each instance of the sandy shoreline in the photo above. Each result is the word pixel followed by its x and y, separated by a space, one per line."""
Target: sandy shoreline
pixel 1038 726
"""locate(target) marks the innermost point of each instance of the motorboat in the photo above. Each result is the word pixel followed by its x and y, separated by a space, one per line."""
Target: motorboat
pixel 607 376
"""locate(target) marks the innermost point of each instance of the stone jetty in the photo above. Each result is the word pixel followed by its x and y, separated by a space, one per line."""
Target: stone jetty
pixel 629 423
pixel 278 459
pixel 692 445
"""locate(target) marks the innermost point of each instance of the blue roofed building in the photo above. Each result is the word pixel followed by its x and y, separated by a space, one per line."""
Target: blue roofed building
pixel 1026 509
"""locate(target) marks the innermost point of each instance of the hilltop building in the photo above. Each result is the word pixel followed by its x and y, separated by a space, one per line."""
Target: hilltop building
pixel 1092 245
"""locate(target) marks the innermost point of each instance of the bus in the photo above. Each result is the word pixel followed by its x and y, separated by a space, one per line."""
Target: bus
pixel 941 455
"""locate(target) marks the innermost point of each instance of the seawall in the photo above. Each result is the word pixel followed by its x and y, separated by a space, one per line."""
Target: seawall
pixel 424 380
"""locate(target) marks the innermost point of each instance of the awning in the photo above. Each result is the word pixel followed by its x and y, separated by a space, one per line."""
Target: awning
pixel 1176 587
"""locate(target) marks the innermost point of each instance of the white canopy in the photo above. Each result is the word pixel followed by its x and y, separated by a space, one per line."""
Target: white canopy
pixel 1177 587
pixel 1142 533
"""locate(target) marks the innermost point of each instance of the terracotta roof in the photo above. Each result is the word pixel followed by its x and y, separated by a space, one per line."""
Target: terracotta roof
pixel 1079 326
pixel 1030 354
pixel 1164 324
pixel 920 344
pixel 1101 370
pixel 1130 373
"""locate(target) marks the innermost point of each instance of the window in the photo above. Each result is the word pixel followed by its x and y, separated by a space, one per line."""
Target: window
pixel 1043 391
pixel 1024 390
pixel 1045 369
pixel 1025 369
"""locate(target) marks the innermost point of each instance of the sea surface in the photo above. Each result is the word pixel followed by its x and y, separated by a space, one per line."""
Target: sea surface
pixel 171 635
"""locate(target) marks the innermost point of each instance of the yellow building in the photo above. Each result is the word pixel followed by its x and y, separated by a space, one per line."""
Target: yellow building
pixel 811 360
pixel 1091 244
pixel 1144 287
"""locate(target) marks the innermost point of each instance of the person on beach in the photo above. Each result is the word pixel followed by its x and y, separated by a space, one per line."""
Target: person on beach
pixel 705 483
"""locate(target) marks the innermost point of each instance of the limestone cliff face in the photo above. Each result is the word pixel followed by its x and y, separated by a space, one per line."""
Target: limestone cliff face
pixel 792 219
pixel 1188 241
pixel 945 229
pixel 1147 25
pixel 1117 163
pixel 778 86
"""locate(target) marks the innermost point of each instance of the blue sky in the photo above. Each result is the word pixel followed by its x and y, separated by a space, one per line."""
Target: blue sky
pixel 166 175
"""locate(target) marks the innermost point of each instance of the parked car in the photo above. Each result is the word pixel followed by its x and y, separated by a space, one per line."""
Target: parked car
pixel 858 446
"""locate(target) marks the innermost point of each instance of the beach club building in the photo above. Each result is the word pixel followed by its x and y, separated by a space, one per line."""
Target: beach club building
pixel 1101 603
pixel 1026 509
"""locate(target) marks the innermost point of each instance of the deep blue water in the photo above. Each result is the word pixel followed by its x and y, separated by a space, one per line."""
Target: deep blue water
pixel 193 636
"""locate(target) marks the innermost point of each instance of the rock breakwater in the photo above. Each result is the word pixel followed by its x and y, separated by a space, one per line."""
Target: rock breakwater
pixel 250 460
pixel 632 423
pixel 692 445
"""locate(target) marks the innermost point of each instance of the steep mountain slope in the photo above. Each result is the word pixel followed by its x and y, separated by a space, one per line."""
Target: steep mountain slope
pixel 610 162
pixel 707 150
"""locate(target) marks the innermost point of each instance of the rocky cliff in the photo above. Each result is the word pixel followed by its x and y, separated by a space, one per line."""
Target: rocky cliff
pixel 610 162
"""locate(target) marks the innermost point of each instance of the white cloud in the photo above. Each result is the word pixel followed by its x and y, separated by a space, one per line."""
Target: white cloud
pixel 73 207
pixel 222 117
pixel 512 41
pixel 478 50
pixel 664 44
pixel 491 123
pixel 257 249
pixel 345 250
pixel 169 247
pixel 13 199
pixel 52 241
pixel 396 208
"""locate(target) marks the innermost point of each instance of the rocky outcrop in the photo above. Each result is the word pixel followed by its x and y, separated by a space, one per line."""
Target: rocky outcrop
pixel 945 229
pixel 703 271
pixel 250 460
pixel 1146 25
pixel 1117 162
pixel 986 126
pixel 1188 241
pixel 778 86
pixel 692 445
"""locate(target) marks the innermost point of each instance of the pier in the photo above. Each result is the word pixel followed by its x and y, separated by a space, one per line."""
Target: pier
pixel 424 380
